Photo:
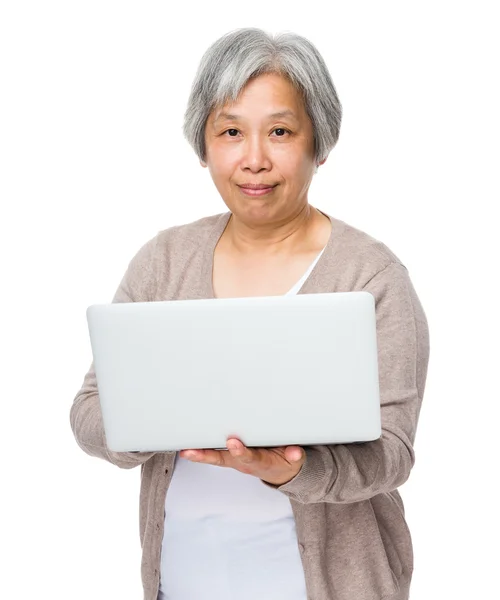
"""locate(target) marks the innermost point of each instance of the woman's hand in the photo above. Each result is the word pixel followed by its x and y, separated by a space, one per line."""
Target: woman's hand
pixel 273 465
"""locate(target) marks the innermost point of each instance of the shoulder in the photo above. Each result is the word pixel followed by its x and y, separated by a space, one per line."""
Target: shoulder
pixel 173 245
pixel 365 247
pixel 187 236
pixel 354 257
pixel 362 247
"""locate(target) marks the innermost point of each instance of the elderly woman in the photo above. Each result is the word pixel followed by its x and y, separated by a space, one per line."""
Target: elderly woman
pixel 318 522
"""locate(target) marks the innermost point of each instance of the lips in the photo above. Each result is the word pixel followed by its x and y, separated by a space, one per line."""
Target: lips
pixel 252 192
pixel 256 186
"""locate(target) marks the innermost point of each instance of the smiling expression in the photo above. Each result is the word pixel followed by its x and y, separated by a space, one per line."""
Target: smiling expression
pixel 266 137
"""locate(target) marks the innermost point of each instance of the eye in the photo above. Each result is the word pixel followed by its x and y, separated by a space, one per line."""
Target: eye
pixel 281 129
pixel 278 129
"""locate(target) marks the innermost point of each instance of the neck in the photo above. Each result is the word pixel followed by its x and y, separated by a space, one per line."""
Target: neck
pixel 274 238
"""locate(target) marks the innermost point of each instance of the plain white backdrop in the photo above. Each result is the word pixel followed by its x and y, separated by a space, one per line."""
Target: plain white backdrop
pixel 93 163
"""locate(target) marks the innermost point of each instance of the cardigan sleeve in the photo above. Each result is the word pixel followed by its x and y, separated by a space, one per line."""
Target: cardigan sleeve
pixel 345 473
pixel 137 285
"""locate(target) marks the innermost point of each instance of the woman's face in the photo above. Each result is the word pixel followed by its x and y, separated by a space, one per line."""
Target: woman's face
pixel 247 143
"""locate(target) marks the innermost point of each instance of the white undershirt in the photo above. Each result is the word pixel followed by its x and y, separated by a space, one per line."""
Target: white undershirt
pixel 227 535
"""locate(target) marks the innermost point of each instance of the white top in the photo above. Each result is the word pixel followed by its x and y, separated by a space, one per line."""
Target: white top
pixel 227 535
pixel 302 280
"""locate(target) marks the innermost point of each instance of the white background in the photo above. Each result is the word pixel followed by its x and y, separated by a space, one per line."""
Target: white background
pixel 93 164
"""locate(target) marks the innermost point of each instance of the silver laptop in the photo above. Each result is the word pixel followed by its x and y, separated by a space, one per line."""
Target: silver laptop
pixel 271 371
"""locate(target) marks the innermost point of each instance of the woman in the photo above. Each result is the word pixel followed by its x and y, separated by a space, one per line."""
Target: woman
pixel 319 522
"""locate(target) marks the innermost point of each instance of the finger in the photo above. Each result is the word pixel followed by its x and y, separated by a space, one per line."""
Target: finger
pixel 294 453
pixel 218 458
pixel 238 450
pixel 191 454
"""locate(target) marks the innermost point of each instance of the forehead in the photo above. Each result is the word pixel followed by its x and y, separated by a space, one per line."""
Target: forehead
pixel 273 94
pixel 221 115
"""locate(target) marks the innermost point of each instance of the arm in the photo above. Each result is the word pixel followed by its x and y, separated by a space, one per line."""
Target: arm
pixel 345 473
pixel 137 285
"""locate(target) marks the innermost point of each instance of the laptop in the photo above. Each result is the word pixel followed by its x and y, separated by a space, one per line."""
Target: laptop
pixel 271 371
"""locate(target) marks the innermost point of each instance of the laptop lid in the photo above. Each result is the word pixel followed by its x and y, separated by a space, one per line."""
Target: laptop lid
pixel 272 371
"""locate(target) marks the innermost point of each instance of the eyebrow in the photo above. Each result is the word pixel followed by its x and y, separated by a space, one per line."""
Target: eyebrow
pixel 223 116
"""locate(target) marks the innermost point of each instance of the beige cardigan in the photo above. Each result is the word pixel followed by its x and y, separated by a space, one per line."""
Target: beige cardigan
pixel 351 530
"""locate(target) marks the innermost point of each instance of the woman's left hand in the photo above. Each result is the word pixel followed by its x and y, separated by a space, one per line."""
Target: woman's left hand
pixel 273 465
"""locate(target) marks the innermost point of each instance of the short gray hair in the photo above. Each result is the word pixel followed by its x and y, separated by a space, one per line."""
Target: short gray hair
pixel 243 54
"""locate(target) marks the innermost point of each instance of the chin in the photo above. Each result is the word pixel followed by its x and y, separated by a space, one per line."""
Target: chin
pixel 260 214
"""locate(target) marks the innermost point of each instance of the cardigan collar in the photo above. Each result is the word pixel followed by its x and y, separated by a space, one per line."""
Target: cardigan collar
pixel 311 285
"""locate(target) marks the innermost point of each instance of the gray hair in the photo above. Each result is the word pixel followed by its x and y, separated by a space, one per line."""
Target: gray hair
pixel 243 54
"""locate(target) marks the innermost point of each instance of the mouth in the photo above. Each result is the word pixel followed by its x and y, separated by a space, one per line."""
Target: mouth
pixel 257 189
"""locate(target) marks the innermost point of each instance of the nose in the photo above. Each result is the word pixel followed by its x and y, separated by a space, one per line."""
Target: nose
pixel 255 154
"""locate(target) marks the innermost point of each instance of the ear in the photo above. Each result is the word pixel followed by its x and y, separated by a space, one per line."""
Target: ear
pixel 203 164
